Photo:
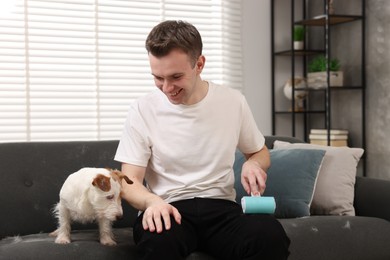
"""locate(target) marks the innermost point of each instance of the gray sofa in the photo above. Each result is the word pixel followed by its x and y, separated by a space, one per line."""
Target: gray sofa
pixel 31 175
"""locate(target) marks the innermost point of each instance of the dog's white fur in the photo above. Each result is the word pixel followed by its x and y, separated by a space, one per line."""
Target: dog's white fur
pixel 90 194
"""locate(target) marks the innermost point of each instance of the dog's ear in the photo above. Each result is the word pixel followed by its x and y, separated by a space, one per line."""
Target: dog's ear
pixel 118 175
pixel 102 182
pixel 128 181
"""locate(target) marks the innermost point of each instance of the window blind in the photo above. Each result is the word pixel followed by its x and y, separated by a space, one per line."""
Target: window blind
pixel 69 69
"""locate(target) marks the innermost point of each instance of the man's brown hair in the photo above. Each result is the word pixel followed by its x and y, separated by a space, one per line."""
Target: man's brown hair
pixel 169 35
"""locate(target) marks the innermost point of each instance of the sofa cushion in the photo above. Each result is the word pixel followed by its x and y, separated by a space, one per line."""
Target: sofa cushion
pixel 85 246
pixel 338 237
pixel 291 180
pixel 316 237
pixel 334 192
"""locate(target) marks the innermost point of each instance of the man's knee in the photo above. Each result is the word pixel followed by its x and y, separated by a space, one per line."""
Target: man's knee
pixel 169 244
pixel 160 246
pixel 276 241
pixel 279 242
pixel 268 240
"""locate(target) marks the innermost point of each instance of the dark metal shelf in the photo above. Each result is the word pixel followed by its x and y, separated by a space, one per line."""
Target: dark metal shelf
pixel 321 20
pixel 333 88
pixel 298 52
pixel 341 88
pixel 288 112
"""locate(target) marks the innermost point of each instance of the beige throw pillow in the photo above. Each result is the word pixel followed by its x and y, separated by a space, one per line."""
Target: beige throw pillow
pixel 334 191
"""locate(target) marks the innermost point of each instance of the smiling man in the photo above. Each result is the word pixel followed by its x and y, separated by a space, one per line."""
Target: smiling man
pixel 178 77
pixel 181 140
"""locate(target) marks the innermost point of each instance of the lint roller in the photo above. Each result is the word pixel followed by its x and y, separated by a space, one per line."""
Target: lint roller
pixel 258 204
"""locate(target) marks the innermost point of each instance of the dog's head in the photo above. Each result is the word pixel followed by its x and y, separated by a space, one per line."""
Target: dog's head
pixel 103 182
pixel 106 197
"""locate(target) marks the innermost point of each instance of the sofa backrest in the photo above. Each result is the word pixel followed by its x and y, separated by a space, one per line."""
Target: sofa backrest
pixel 32 174
pixel 270 139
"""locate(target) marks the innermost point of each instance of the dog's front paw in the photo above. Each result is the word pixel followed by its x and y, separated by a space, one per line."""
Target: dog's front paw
pixel 107 241
pixel 62 240
pixel 54 233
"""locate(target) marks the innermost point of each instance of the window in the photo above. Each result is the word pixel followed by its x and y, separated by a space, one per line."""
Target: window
pixel 69 69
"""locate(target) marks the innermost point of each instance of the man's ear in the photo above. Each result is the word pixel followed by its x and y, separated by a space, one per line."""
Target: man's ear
pixel 200 63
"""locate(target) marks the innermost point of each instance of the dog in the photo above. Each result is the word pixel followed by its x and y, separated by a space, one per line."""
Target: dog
pixel 88 195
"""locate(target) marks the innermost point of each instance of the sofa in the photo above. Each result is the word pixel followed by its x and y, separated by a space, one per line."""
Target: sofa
pixel 32 173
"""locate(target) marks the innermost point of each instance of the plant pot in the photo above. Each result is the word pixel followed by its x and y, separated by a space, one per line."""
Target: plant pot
pixel 298 45
pixel 318 79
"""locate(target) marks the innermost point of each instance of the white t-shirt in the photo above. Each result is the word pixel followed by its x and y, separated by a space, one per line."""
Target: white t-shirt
pixel 189 150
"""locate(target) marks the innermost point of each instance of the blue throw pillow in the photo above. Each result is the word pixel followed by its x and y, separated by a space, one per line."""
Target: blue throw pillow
pixel 237 167
pixel 291 180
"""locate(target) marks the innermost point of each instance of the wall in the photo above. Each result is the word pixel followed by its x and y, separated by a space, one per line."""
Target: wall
pixel 378 88
pixel 257 60
pixel 257 76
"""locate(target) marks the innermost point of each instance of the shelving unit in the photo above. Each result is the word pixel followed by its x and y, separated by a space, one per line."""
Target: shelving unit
pixel 288 63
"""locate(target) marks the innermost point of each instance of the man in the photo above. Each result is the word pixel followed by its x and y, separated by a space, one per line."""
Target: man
pixel 181 140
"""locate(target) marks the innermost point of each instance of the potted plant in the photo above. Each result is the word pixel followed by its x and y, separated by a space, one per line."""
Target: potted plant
pixel 299 37
pixel 317 76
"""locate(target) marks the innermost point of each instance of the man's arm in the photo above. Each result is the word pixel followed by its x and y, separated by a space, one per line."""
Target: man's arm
pixel 254 171
pixel 156 210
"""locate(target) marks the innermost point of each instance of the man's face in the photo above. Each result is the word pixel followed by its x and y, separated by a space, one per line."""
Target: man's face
pixel 175 75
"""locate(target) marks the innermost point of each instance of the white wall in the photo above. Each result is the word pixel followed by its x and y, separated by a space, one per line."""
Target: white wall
pixel 256 25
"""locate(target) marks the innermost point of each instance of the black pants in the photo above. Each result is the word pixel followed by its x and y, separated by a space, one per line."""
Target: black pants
pixel 217 227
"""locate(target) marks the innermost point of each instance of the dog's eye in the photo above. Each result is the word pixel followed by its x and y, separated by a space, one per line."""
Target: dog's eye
pixel 111 197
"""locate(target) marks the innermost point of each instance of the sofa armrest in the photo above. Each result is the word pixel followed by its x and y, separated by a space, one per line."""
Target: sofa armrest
pixel 372 197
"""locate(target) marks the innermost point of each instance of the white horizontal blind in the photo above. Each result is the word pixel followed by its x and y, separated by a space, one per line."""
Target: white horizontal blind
pixel 14 106
pixel 69 69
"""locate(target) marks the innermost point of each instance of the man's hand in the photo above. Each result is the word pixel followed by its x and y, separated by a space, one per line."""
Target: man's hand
pixel 158 214
pixel 253 178
pixel 156 211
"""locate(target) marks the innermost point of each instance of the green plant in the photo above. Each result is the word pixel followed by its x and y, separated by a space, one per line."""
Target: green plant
pixel 299 33
pixel 319 64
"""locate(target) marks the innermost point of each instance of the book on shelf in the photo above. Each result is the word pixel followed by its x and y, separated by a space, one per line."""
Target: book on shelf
pixel 335 143
pixel 338 137
pixel 332 131
pixel 331 136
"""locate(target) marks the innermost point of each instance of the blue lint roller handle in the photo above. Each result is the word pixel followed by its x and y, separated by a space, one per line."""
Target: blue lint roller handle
pixel 258 204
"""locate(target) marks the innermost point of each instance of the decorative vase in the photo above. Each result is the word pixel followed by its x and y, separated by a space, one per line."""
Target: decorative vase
pixel 300 93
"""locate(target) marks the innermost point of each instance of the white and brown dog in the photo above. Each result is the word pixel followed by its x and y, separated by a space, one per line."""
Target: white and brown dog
pixel 88 195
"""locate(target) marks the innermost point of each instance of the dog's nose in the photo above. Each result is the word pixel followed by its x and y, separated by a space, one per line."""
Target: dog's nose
pixel 119 217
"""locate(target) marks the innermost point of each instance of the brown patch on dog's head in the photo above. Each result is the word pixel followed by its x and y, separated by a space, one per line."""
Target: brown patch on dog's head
pixel 118 176
pixel 102 182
